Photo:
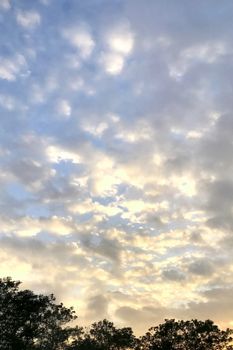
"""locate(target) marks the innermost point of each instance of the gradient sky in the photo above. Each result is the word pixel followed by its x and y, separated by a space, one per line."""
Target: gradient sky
pixel 116 156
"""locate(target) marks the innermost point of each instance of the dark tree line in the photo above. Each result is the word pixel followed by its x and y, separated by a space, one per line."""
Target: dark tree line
pixel 35 322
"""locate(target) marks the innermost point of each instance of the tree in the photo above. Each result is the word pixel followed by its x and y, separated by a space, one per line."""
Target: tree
pixel 103 335
pixel 35 322
pixel 187 335
pixel 29 321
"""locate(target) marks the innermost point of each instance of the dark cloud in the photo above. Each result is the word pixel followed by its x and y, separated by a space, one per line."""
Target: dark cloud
pixel 147 315
pixel 109 248
pixel 97 307
pixel 173 274
pixel 201 267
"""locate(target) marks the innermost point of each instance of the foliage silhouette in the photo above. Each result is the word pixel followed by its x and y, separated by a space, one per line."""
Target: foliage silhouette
pixel 187 335
pixel 103 335
pixel 29 321
pixel 35 322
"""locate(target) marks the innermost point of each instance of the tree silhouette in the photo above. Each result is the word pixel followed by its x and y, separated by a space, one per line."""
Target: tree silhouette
pixel 29 321
pixel 103 335
pixel 187 335
pixel 35 322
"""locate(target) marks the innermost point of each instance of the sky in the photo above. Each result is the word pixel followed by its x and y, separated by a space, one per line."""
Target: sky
pixel 116 156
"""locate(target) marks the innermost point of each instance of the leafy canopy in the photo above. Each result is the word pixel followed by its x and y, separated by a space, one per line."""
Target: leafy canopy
pixel 187 335
pixel 30 321
pixel 35 322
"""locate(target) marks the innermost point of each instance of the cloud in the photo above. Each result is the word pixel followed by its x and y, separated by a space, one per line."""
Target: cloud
pixel 120 43
pixel 7 102
pixel 149 316
pixel 112 62
pixel 28 19
pixel 80 37
pixel 30 226
pixel 201 267
pixel 11 67
pixel 58 154
pixel 216 306
pixel 106 247
pixel 173 275
pixel 116 157
pixel 64 108
pixel 5 4
pixel 203 53
pixel 97 308
pixel 121 40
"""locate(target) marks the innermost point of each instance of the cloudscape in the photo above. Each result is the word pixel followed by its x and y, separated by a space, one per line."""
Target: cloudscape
pixel 116 156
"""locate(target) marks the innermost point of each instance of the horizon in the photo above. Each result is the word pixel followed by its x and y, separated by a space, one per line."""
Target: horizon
pixel 116 156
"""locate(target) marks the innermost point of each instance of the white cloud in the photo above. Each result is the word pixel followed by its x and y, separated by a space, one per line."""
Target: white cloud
pixel 5 4
pixel 139 132
pixel 7 102
pixel 64 108
pixel 80 38
pixel 28 19
pixel 113 62
pixel 73 61
pixel 96 130
pixel 11 67
pixel 185 184
pixel 206 52
pixel 121 41
pixel 28 226
pixel 57 154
